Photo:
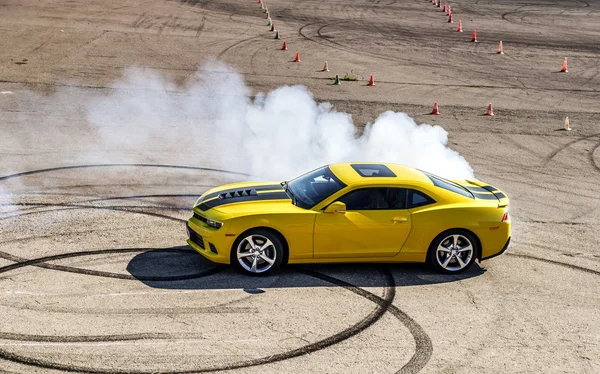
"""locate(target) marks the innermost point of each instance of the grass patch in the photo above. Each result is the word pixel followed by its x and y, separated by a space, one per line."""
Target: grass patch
pixel 347 78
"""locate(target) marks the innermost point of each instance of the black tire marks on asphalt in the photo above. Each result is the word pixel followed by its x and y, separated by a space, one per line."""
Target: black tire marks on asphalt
pixel 559 263
pixel 82 339
pixel 419 359
pixel 423 345
pixel 120 208
pixel 592 158
pixel 48 170
pixel 560 149
pixel 42 262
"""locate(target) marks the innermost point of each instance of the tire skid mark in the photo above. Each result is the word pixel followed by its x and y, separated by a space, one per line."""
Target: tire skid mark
pixel 591 157
pixel 120 208
pixel 563 264
pixel 560 149
pixel 39 171
pixel 213 310
pixel 83 339
pixel 41 262
pixel 423 345
pixel 236 44
pixel 383 304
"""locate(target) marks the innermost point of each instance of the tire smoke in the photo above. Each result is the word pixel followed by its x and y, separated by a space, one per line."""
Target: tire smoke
pixel 274 136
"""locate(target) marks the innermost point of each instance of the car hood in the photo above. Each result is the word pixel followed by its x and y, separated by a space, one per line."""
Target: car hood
pixel 265 194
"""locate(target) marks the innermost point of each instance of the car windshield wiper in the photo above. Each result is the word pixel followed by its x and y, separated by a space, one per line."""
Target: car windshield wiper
pixel 289 192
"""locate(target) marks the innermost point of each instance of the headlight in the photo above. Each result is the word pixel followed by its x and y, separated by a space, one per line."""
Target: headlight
pixel 215 224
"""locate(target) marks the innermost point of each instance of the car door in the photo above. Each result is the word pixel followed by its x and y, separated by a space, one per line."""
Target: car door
pixel 375 224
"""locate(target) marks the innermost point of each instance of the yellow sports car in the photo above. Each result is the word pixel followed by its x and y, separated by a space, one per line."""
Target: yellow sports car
pixel 351 212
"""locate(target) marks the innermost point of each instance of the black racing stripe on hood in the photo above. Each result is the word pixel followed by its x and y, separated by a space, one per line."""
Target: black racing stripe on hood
pixel 264 196
pixel 265 187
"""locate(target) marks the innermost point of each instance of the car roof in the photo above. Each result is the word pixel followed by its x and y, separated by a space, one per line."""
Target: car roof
pixel 350 176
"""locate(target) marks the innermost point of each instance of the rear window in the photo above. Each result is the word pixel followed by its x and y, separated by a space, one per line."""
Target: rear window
pixel 447 185
pixel 373 170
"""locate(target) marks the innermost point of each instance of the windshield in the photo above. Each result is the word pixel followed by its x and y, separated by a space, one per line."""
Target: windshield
pixel 310 189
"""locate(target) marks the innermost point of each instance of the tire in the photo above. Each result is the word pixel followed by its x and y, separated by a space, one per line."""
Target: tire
pixel 453 251
pixel 257 252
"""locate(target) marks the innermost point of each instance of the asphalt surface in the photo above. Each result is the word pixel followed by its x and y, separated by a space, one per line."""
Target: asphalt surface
pixel 94 272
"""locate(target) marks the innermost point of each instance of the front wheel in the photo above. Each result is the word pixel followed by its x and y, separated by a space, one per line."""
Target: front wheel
pixel 257 252
pixel 453 252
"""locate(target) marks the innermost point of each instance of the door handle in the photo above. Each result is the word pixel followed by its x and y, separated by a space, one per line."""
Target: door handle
pixel 399 219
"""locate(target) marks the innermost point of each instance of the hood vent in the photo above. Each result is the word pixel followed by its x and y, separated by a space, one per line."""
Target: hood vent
pixel 239 193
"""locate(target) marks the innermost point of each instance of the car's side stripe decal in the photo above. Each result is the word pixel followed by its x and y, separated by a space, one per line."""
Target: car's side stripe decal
pixel 266 187
pixel 263 196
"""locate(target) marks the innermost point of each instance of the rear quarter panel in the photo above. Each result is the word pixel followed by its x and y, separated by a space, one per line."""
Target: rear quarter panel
pixel 429 222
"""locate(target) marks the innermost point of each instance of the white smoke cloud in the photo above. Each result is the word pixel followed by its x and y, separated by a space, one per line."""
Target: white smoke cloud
pixel 274 136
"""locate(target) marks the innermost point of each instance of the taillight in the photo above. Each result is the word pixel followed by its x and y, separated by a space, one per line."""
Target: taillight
pixel 505 217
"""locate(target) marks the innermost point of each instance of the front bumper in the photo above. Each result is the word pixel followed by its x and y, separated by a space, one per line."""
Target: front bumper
pixel 210 243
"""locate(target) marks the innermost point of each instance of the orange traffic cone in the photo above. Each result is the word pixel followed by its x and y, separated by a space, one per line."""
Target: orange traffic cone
pixel 564 67
pixel 500 50
pixel 272 27
pixel 474 36
pixel 459 26
pixel 490 110
pixel 444 7
pixel 260 1
pixel 566 126
pixel 439 4
pixel 297 59
pixel 284 48
pixel 448 10
pixel 436 109
pixel 450 18
pixel 371 81
pixel 268 15
pixel 326 67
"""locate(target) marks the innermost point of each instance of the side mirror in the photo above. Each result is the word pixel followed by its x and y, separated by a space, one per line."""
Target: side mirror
pixel 336 207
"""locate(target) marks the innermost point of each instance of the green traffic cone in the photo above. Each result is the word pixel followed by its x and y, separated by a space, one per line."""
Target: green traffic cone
pixel 270 23
pixel 337 80
pixel 277 35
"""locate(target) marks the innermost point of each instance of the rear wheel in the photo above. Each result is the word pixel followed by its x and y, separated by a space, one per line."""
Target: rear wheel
pixel 453 251
pixel 257 252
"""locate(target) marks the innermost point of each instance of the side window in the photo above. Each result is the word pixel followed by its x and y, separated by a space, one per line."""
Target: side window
pixel 375 199
pixel 417 199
